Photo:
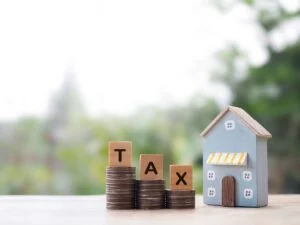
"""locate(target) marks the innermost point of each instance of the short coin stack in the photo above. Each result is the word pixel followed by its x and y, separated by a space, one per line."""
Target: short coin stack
pixel 150 194
pixel 180 199
pixel 181 194
pixel 120 187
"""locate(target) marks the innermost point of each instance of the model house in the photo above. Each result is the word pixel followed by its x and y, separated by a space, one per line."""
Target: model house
pixel 235 163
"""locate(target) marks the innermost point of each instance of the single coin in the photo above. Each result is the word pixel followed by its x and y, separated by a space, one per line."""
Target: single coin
pixel 160 187
pixel 150 197
pixel 132 179
pixel 154 192
pixel 116 181
pixel 179 197
pixel 180 203
pixel 186 201
pixel 180 192
pixel 120 178
pixel 116 207
pixel 120 169
pixel 141 189
pixel 111 192
pixel 112 182
pixel 159 195
pixel 120 175
pixel 171 206
pixel 181 207
pixel 141 206
pixel 150 200
pixel 120 203
pixel 141 182
pixel 150 189
pixel 120 184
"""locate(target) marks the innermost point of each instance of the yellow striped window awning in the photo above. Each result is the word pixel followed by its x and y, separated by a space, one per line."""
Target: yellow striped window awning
pixel 227 158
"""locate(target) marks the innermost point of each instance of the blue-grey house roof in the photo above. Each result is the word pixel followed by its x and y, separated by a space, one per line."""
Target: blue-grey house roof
pixel 251 123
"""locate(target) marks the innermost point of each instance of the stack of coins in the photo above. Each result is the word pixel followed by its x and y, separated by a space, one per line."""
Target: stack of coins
pixel 181 194
pixel 180 199
pixel 150 194
pixel 120 187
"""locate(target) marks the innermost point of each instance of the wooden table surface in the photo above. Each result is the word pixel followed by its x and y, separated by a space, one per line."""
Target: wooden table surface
pixel 90 210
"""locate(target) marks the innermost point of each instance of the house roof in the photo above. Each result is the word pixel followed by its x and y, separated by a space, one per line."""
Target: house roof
pixel 251 123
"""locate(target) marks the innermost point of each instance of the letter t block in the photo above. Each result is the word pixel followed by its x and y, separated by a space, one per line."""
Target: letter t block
pixel 181 177
pixel 151 167
pixel 119 154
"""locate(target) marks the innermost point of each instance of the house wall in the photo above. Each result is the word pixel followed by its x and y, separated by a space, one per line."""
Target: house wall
pixel 262 171
pixel 241 139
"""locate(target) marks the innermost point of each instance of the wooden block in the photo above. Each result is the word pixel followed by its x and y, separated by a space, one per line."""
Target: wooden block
pixel 228 191
pixel 181 177
pixel 120 153
pixel 151 167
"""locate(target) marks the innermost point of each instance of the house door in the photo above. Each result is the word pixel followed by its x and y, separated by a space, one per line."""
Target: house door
pixel 228 191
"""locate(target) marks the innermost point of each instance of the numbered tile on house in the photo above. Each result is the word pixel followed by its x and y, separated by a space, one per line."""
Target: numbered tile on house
pixel 120 154
pixel 151 167
pixel 181 177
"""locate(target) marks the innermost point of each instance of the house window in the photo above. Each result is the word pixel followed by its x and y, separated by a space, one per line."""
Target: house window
pixel 211 192
pixel 229 125
pixel 211 175
pixel 247 175
pixel 248 193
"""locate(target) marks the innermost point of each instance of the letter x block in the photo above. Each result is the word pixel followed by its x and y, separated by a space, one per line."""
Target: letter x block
pixel 181 177
pixel 119 154
pixel 151 167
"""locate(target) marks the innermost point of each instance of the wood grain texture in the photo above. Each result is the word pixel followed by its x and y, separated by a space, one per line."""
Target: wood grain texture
pixel 228 191
pixel 181 177
pixel 120 153
pixel 79 210
pixel 151 167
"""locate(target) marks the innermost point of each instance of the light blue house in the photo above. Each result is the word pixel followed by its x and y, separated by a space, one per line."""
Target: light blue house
pixel 235 163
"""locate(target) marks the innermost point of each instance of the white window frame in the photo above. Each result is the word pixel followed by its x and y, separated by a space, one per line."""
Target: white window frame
pixel 213 175
pixel 251 193
pixel 209 190
pixel 232 122
pixel 250 175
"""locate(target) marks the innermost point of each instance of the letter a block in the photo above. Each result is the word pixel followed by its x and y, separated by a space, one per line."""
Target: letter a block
pixel 119 154
pixel 151 167
pixel 181 177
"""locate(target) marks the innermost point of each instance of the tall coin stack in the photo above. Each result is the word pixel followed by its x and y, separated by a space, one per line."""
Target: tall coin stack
pixel 180 195
pixel 150 188
pixel 120 176
pixel 120 184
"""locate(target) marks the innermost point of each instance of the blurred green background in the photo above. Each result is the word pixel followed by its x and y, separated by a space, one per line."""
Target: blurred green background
pixel 65 152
